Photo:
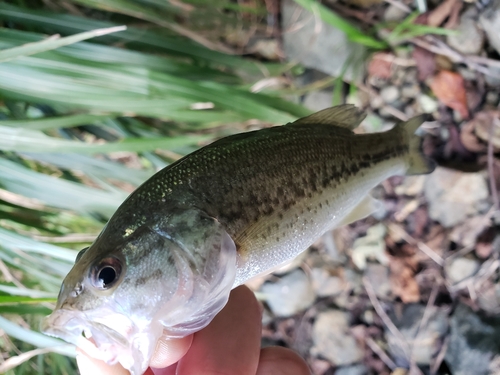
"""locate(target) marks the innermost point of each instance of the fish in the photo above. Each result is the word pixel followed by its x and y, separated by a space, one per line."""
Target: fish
pixel 168 258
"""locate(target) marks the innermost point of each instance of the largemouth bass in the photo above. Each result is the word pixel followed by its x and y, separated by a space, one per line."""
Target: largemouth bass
pixel 168 258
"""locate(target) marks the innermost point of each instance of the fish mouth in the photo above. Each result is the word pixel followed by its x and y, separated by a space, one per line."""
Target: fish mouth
pixel 93 336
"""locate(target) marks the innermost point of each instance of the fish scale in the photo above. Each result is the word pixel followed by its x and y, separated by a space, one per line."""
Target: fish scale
pixel 218 217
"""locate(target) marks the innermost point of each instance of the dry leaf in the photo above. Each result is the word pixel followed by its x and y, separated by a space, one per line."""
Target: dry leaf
pixel 403 281
pixel 483 121
pixel 469 138
pixel 450 90
pixel 426 63
pixel 442 12
pixel 380 65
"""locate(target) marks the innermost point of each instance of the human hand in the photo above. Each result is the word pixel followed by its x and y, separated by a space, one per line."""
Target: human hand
pixel 230 344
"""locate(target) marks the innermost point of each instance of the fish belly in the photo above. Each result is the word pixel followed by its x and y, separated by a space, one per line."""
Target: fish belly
pixel 280 237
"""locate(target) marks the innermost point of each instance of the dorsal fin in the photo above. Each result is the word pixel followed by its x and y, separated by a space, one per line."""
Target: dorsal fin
pixel 345 116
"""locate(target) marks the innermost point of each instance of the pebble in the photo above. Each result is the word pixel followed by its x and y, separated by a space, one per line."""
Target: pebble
pixel 469 38
pixel 332 339
pixel 425 340
pixel 490 22
pixel 352 370
pixel 376 102
pixel 389 94
pixel 326 285
pixel 291 294
pixel 318 100
pixel 428 104
pixel 473 342
pixel 313 42
pixel 460 269
pixel 492 97
pixel 394 13
pixel 454 195
pixel 378 277
pixel 410 91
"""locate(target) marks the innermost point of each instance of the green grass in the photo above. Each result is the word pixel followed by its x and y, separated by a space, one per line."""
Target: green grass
pixel 86 117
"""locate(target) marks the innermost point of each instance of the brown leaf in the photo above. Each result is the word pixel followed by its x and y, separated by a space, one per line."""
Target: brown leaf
pixel 380 65
pixel 426 63
pixel 450 90
pixel 483 123
pixel 442 12
pixel 403 281
pixel 469 138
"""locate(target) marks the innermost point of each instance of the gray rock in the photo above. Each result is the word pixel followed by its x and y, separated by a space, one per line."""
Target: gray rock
pixel 318 100
pixel 460 269
pixel 454 195
pixel 378 276
pixel 490 22
pixel 425 340
pixel 332 339
pixel 290 294
pixel 394 13
pixel 316 44
pixel 326 285
pixel 473 342
pixel 352 370
pixel 389 94
pixel 469 38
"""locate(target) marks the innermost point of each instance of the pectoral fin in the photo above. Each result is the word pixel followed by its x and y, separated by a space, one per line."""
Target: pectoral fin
pixel 365 208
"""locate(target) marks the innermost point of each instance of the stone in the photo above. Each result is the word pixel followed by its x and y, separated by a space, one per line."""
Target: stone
pixel 316 44
pixel 290 295
pixel 454 195
pixel 352 370
pixel 389 94
pixel 427 104
pixel 371 246
pixel 490 22
pixel 378 277
pixel 318 100
pixel 473 342
pixel 425 340
pixel 460 269
pixel 469 38
pixel 326 285
pixel 332 339
pixel 394 13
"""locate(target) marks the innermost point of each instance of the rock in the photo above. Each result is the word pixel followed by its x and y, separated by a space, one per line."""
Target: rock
pixel 469 38
pixel 394 13
pixel 410 91
pixel 425 340
pixel 316 44
pixel 290 294
pixel 460 269
pixel 473 342
pixel 378 277
pixel 352 370
pixel 318 100
pixel 326 285
pixel 332 339
pixel 389 94
pixel 454 195
pixel 427 104
pixel 490 22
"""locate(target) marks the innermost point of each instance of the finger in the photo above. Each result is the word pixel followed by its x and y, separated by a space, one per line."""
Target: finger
pixel 281 361
pixel 92 366
pixel 230 344
pixel 169 351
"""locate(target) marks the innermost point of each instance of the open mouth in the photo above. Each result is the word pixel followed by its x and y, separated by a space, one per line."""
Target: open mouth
pixel 94 337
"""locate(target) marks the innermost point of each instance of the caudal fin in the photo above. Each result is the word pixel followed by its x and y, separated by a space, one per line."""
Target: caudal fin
pixel 416 161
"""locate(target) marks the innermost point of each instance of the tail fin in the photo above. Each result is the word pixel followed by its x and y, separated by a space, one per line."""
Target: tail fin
pixel 416 161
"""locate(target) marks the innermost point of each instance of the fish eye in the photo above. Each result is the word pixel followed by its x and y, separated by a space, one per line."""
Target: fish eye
pixel 107 273
pixel 80 253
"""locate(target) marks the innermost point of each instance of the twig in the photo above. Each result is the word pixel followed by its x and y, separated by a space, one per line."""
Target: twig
pixel 385 318
pixel 440 357
pixel 491 170
pixel 380 352
pixel 420 245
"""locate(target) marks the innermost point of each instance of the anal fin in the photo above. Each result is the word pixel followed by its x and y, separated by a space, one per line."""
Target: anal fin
pixel 365 208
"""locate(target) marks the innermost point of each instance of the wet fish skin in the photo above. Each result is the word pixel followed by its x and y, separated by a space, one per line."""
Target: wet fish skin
pixel 219 216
